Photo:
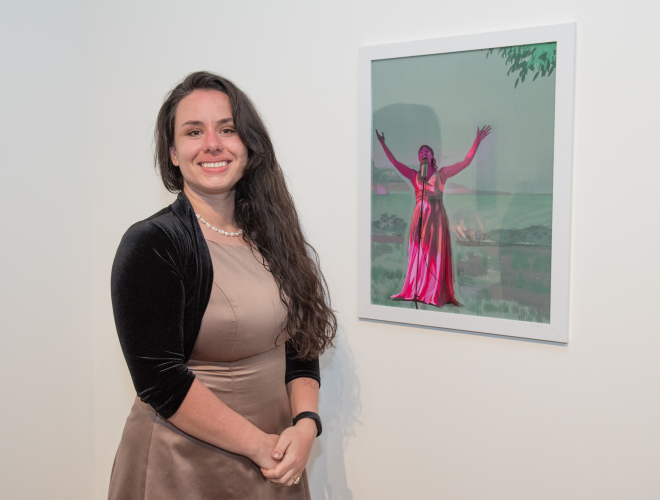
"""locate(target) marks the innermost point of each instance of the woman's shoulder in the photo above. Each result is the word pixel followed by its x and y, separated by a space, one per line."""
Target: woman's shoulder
pixel 150 242
pixel 168 236
pixel 165 231
pixel 173 220
pixel 152 228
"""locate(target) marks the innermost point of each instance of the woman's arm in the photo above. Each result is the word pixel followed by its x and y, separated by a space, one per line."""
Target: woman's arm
pixel 404 170
pixel 206 417
pixel 450 171
pixel 149 304
pixel 295 443
pixel 240 436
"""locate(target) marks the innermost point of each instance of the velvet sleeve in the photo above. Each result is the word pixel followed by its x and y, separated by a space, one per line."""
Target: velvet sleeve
pixel 148 300
pixel 297 368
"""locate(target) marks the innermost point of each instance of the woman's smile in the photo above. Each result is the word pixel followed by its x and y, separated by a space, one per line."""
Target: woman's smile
pixel 207 148
pixel 214 167
pixel 214 164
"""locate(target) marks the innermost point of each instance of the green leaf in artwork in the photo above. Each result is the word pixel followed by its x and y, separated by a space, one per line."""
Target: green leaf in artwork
pixel 517 80
pixel 539 58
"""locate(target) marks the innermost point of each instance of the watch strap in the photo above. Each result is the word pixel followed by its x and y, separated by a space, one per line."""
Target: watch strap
pixel 313 416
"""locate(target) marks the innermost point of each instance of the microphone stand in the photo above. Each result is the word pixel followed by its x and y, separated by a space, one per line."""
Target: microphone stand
pixel 419 232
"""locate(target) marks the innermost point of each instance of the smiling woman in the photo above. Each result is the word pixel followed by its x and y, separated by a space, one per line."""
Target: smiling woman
pixel 221 334
pixel 207 149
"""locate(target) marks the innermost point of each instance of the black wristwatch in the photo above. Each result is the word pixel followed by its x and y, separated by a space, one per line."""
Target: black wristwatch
pixel 313 416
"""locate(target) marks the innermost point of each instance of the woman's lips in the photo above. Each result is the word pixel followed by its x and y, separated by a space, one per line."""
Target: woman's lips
pixel 216 164
pixel 216 167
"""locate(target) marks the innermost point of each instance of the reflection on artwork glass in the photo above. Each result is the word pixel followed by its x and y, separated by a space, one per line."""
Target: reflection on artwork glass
pixel 462 168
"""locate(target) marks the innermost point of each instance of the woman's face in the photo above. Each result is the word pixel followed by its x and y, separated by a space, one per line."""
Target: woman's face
pixel 207 148
pixel 426 153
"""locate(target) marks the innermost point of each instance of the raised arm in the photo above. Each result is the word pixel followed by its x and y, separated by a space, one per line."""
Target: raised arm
pixel 450 171
pixel 404 170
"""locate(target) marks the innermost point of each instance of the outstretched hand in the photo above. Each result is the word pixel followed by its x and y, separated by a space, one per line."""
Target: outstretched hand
pixel 481 134
pixel 381 137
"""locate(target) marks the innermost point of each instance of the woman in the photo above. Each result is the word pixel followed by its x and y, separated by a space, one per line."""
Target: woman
pixel 221 314
pixel 430 274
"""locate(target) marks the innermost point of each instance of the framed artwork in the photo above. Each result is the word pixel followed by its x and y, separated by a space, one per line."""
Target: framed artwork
pixel 465 161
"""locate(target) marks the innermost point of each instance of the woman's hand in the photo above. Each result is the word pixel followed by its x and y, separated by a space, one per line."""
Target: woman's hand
pixel 381 137
pixel 481 134
pixel 292 451
pixel 452 170
pixel 263 457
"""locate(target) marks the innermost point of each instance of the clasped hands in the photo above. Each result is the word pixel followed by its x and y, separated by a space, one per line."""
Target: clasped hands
pixel 283 458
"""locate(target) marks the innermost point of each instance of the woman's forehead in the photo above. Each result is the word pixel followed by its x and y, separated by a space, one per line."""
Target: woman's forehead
pixel 204 104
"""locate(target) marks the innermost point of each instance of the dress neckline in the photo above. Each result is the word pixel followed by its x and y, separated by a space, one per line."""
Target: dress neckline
pixel 226 244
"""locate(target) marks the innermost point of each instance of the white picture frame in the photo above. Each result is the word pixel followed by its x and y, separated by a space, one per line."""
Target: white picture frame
pixel 557 330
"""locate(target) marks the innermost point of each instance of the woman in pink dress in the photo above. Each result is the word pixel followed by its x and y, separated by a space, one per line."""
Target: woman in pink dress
pixel 430 274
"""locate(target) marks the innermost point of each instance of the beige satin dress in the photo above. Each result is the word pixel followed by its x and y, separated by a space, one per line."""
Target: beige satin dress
pixel 240 356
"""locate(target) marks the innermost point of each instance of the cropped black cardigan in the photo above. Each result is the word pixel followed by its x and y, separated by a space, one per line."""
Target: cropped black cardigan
pixel 161 284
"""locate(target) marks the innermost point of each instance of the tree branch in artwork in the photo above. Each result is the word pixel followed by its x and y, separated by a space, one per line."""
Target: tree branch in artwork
pixel 539 59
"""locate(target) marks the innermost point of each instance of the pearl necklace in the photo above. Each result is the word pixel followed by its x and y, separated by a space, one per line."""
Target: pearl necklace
pixel 221 231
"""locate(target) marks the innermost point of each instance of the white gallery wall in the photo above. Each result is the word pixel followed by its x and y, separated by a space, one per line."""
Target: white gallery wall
pixel 408 412
pixel 46 337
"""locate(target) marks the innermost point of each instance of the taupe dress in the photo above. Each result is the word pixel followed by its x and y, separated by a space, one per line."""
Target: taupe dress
pixel 240 356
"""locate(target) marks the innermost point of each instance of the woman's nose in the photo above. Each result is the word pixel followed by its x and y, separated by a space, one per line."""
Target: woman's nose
pixel 213 143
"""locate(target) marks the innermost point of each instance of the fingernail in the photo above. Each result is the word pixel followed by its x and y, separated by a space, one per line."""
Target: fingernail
pixel 276 455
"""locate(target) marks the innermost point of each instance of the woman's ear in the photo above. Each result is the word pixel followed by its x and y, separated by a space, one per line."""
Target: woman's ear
pixel 175 160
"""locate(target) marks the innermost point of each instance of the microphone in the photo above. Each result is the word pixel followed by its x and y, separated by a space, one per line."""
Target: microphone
pixel 425 166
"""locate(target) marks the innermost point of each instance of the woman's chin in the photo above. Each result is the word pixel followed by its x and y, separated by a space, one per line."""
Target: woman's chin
pixel 209 188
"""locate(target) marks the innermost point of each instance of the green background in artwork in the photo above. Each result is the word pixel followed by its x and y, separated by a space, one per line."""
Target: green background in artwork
pixel 501 222
pixel 464 90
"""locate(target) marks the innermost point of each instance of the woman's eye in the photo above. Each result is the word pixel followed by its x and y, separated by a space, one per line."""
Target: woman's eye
pixel 194 133
pixel 227 131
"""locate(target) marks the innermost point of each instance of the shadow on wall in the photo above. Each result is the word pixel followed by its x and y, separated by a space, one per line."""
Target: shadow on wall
pixel 406 128
pixel 339 407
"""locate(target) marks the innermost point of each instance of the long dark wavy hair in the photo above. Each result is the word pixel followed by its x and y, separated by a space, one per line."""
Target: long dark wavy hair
pixel 265 211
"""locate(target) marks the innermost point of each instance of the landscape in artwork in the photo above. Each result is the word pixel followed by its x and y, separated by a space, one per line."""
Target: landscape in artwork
pixel 465 225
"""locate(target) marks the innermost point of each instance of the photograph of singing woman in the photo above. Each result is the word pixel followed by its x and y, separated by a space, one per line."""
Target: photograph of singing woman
pixel 430 276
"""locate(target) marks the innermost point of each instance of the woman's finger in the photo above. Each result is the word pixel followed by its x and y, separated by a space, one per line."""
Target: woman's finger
pixel 281 469
pixel 284 480
pixel 291 478
pixel 296 478
pixel 287 479
pixel 277 473
pixel 282 445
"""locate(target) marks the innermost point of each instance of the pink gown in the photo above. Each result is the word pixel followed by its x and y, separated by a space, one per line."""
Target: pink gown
pixel 430 274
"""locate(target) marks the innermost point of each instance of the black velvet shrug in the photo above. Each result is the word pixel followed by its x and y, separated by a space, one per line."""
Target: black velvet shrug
pixel 161 284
